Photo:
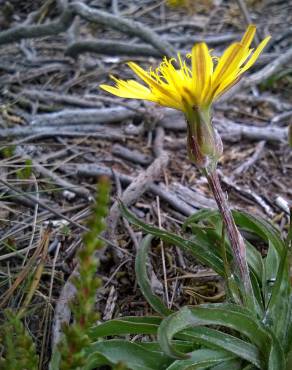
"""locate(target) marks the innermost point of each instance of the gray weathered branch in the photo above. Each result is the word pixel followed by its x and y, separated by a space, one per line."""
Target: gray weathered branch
pixel 76 122
pixel 118 23
pixel 127 26
pixel 83 116
pixel 35 31
pixel 110 48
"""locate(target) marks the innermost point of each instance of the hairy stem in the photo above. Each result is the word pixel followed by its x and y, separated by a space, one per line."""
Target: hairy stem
pixel 236 240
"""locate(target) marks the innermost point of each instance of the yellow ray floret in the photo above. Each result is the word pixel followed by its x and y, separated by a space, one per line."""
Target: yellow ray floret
pixel 173 84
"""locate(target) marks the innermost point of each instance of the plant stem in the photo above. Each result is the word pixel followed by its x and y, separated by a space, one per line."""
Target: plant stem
pixel 236 240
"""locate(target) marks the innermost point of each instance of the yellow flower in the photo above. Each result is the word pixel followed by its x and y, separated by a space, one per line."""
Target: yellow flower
pixel 176 85
pixel 192 90
pixel 175 3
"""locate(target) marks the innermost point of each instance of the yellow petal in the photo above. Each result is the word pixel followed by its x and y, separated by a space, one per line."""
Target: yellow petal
pixel 171 81
pixel 226 85
pixel 255 55
pixel 170 75
pixel 114 90
pixel 202 69
pixel 146 77
pixel 131 84
pixel 248 36
pixel 129 89
pixel 229 62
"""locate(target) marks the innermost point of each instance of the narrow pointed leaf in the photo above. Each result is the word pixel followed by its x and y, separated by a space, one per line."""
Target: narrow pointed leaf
pixel 125 325
pixel 230 316
pixel 212 338
pixel 204 255
pixel 231 364
pixel 143 280
pixel 201 359
pixel 132 355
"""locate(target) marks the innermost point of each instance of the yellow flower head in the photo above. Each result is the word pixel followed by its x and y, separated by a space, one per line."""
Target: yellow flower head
pixel 176 85
pixel 176 3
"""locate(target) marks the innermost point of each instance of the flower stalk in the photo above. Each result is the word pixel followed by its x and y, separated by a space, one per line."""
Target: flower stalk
pixel 204 149
pixel 236 240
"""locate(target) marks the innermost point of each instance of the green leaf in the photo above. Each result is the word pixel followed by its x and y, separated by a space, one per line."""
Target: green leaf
pixel 249 367
pixel 203 254
pixel 200 335
pixel 230 365
pixel 213 217
pixel 276 285
pixel 289 333
pixel 216 339
pixel 212 235
pixel 203 214
pixel 55 360
pixel 289 360
pixel 278 312
pixel 143 280
pixel 133 355
pixel 125 325
pixel 230 316
pixel 201 359
pixel 255 261
pixel 261 228
pixel 277 360
pixel 181 345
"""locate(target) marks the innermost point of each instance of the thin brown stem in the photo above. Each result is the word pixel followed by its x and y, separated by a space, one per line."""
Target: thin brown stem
pixel 236 240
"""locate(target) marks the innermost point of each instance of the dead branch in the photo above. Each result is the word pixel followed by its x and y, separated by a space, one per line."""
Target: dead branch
pixel 214 40
pixel 116 22
pixel 138 187
pixel 82 116
pixel 65 184
pixel 26 75
pixel 131 155
pixel 192 196
pixel 110 48
pixel 38 132
pixel 35 31
pixel 277 104
pixel 48 96
pixel 127 26
pixel 251 161
pixel 62 309
pixel 282 117
pixel 42 204
pixel 198 21
pixel 269 70
pixel 234 132
pixel 168 196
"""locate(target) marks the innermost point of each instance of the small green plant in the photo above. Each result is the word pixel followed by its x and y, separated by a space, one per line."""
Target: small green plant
pixel 19 350
pixel 7 151
pixel 214 336
pixel 72 352
pixel 25 172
